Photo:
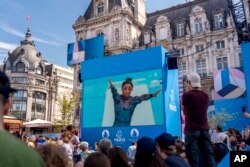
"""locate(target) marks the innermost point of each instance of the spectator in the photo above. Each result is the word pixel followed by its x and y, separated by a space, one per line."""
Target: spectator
pixel 97 159
pixel 132 151
pixel 246 135
pixel 232 138
pixel 222 137
pixel 118 157
pixel 74 140
pixel 167 150
pixel 53 155
pixel 197 137
pixel 220 151
pixel 104 145
pixel 146 154
pixel 180 148
pixel 13 152
pixel 68 147
pixel 84 146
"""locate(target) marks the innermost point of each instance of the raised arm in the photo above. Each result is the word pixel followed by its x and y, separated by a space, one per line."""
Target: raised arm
pixel 246 114
pixel 113 90
pixel 146 96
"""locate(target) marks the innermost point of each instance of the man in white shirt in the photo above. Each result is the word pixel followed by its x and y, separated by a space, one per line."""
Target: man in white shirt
pixel 132 151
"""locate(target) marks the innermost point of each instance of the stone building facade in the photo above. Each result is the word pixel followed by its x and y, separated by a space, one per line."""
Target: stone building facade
pixel 200 32
pixel 38 83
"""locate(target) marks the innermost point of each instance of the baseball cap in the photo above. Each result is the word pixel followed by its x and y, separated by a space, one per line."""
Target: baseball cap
pixel 146 146
pixel 5 88
pixel 195 80
pixel 165 140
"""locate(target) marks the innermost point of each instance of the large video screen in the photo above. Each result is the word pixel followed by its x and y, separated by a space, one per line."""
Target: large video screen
pixel 133 99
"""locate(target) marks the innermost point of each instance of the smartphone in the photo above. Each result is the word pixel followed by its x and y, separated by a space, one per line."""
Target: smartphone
pixel 244 109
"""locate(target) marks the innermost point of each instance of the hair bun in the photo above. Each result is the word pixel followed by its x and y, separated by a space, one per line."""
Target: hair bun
pixel 129 79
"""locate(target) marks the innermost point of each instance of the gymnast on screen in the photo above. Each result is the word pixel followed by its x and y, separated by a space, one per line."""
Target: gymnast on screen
pixel 125 104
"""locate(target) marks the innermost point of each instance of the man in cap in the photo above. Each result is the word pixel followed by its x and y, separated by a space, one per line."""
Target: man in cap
pixel 13 152
pixel 197 137
pixel 167 150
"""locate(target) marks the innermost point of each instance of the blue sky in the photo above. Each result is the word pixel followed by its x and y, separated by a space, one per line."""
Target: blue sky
pixel 51 24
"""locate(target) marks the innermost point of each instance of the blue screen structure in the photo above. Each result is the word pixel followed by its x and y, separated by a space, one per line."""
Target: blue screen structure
pixel 102 108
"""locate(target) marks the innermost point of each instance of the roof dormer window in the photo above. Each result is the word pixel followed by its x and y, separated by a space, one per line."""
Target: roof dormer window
pixel 146 38
pixel 100 8
pixel 39 70
pixel 218 21
pixel 20 67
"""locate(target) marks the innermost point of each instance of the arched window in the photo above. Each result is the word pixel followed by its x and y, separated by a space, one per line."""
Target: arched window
pixel 20 67
pixel 100 34
pixel 100 8
pixel 39 70
pixel 146 38
pixel 117 34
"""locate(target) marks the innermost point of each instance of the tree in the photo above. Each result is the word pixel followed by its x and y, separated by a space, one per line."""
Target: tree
pixel 66 106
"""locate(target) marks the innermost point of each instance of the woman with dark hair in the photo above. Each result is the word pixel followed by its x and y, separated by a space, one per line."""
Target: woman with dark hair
pixel 118 157
pixel 146 154
pixel 96 159
pixel 125 103
pixel 53 155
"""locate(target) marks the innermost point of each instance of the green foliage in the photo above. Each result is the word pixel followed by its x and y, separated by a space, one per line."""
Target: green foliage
pixel 66 106
pixel 220 118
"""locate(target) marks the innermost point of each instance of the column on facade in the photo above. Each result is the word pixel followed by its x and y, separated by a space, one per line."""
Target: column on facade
pixel 29 105
pixel 48 112
pixel 123 28
pixel 211 63
pixel 231 56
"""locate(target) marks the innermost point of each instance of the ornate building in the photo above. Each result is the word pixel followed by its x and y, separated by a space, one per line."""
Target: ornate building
pixel 201 32
pixel 38 84
pixel 246 4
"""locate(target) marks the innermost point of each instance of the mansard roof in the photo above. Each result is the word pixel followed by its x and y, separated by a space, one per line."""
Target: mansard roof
pixel 182 13
pixel 111 4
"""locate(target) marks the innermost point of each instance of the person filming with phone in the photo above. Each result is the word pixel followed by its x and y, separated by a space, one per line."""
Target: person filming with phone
pixel 245 113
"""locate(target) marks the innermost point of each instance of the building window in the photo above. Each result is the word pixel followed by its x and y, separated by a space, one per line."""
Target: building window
pixel 39 95
pixel 20 67
pixel 100 34
pixel 19 95
pixel 18 80
pixel 220 44
pixel 40 82
pixel 222 63
pixel 180 52
pixel 183 70
pixel 201 68
pixel 198 25
pixel 199 48
pixel 100 8
pixel 180 30
pixel 117 35
pixel 146 38
pixel 19 109
pixel 240 59
pixel 38 105
pixel 163 33
pixel 218 21
pixel 39 70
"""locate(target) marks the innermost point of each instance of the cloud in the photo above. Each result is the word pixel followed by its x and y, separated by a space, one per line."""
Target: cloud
pixel 7 46
pixel 20 34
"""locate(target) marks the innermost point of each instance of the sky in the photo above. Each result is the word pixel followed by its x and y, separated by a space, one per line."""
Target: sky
pixel 51 24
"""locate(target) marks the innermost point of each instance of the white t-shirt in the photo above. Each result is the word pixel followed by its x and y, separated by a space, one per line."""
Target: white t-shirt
pixel 75 141
pixel 69 149
pixel 131 151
